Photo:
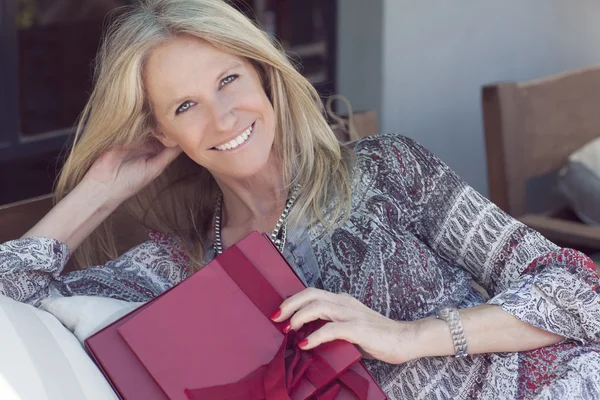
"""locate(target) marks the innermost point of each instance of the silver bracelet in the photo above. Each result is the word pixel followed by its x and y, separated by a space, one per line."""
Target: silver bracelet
pixel 452 318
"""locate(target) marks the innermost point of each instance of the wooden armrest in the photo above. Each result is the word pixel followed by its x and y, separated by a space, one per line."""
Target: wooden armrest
pixel 566 232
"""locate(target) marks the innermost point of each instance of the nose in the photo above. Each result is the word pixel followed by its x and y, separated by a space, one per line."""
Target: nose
pixel 223 115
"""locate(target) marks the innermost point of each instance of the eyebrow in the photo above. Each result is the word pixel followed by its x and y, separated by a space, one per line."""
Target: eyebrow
pixel 180 100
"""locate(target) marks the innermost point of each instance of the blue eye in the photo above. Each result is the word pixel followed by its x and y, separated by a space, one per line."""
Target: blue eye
pixel 184 107
pixel 228 79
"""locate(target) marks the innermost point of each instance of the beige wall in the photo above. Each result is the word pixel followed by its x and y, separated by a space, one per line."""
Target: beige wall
pixel 421 63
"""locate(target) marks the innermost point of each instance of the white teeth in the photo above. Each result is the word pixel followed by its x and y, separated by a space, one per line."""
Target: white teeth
pixel 237 141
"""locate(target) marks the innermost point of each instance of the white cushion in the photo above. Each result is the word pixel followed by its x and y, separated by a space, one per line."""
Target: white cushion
pixel 589 155
pixel 85 315
pixel 41 360
pixel 579 182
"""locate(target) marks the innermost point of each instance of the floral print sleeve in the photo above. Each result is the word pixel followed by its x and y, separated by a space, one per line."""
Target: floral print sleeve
pixel 30 270
pixel 555 289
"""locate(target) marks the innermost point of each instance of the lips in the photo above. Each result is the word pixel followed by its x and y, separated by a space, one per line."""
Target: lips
pixel 237 141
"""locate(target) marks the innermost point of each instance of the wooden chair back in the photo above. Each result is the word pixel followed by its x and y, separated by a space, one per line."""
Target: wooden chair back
pixel 531 128
pixel 17 218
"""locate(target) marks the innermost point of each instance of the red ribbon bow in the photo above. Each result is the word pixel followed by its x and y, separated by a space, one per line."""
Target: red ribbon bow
pixel 278 378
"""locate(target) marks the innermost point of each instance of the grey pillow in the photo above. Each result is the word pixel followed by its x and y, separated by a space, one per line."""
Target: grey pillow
pixel 579 182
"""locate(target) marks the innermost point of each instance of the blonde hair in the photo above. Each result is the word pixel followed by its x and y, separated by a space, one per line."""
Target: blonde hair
pixel 181 201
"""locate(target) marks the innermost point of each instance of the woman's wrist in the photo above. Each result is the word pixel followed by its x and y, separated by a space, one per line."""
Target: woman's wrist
pixel 487 329
pixel 96 196
pixel 432 338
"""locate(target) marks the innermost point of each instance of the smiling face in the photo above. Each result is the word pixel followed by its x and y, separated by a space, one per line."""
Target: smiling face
pixel 211 104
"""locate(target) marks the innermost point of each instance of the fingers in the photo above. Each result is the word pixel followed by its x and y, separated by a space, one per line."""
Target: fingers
pixel 319 309
pixel 300 300
pixel 328 333
pixel 159 161
pixel 350 320
pixel 168 155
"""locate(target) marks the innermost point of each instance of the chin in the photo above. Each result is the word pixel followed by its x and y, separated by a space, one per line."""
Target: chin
pixel 242 166
pixel 250 169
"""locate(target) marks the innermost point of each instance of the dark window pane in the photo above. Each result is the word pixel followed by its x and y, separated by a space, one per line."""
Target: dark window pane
pixel 57 41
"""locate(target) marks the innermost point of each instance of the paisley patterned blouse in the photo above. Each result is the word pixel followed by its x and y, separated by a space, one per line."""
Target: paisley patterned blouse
pixel 417 238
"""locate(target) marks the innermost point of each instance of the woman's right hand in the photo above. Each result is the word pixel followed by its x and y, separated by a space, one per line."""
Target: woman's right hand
pixel 124 171
pixel 114 177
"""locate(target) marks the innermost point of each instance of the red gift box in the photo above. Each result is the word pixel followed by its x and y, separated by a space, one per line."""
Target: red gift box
pixel 210 338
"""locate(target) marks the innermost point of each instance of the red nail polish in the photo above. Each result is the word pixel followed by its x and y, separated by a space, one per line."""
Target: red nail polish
pixel 287 327
pixel 276 314
pixel 303 343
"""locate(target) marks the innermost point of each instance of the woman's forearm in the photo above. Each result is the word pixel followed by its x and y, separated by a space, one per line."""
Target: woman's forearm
pixel 488 329
pixel 73 219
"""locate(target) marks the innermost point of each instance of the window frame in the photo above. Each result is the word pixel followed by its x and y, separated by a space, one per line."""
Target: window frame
pixel 14 145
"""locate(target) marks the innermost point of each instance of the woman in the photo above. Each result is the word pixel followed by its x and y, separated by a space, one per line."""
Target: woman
pixel 388 238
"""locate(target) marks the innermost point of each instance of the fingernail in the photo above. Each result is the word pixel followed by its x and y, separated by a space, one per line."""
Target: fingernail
pixel 276 314
pixel 287 327
pixel 303 343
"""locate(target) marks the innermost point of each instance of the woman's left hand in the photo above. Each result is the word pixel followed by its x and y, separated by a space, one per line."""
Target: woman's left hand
pixel 376 336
